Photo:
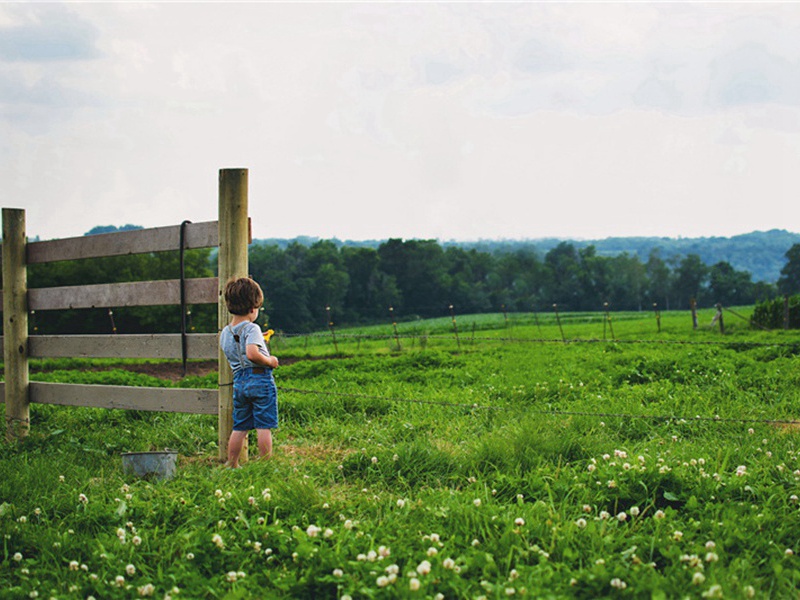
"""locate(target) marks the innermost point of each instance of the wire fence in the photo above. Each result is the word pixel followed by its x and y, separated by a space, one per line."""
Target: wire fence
pixel 554 413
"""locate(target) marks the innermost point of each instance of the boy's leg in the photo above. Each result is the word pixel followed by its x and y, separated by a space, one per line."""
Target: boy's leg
pixel 264 443
pixel 235 444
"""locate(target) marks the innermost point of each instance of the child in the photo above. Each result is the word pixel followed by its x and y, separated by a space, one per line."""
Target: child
pixel 255 397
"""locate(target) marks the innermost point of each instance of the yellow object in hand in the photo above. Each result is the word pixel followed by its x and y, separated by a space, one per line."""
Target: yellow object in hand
pixel 268 334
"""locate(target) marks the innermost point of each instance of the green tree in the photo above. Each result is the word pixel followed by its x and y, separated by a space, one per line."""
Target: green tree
pixel 789 281
pixel 690 280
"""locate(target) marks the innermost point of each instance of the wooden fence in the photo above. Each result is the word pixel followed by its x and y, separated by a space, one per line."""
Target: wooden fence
pixel 231 234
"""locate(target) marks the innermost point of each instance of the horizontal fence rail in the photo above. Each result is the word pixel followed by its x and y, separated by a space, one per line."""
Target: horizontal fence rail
pixel 159 346
pixel 201 290
pixel 119 243
pixel 176 400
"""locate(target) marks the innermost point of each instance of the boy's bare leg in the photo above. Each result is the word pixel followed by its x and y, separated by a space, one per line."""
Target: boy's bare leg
pixel 264 443
pixel 235 443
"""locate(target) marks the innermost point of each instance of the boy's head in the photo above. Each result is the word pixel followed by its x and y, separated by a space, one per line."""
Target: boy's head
pixel 243 295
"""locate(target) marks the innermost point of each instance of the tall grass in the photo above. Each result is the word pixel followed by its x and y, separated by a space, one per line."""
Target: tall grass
pixel 512 464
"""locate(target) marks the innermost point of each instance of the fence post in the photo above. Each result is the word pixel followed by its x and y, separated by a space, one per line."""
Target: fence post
pixel 455 327
pixel 693 304
pixel 394 326
pixel 234 237
pixel 720 318
pixel 558 320
pixel 658 316
pixel 331 329
pixel 15 324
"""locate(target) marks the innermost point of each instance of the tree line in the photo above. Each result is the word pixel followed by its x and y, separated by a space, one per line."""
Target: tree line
pixel 308 285
pixel 305 285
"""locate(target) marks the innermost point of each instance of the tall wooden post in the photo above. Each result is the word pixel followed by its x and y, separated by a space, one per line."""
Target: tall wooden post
pixel 15 323
pixel 234 237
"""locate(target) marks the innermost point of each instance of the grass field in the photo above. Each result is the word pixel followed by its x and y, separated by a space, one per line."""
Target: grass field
pixel 504 463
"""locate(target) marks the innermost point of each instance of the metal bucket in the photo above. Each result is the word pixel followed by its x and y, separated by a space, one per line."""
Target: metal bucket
pixel 152 465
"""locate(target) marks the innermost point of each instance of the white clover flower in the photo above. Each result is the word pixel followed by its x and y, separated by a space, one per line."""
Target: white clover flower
pixel 61 478
pixel 591 468
pixel 789 552
pixel 477 502
pixel 698 578
pixel 119 580
pixel 448 563
pixel 475 543
pixel 328 533
pixel 73 565
pixel 338 573
pixel 741 470
pixel 519 521
pixel 587 508
pixel 634 511
pixel 677 535
pixel 520 497
pixel 434 537
pixel 392 569
pixel 130 570
pixel 231 576
pixel 513 575
pixel 382 581
pixel 710 545
pixel 749 591
pixel 611 483
pixel 715 591
pixel 510 591
pixel 604 514
pixel 313 531
pixel 621 517
pixel 580 523
pixel 190 556
pixel 432 551
pixel 659 514
pixel 218 493
pixel 136 540
pixel 147 589
pixel 413 584
pixel 217 540
pixel 618 583
pixel 712 557
pixel 23 519
pixel 384 552
pixel 348 524
pixel 424 567
pixel 83 499
pixel 251 500
pixel 401 503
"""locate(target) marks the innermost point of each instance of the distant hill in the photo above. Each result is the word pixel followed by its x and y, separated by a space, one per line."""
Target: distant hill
pixel 761 253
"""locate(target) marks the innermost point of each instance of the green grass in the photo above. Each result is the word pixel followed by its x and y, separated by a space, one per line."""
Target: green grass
pixel 509 462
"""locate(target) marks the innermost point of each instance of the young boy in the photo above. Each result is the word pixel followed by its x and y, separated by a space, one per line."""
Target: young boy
pixel 255 397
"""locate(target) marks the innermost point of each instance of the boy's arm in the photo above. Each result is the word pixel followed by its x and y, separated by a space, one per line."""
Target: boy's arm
pixel 255 356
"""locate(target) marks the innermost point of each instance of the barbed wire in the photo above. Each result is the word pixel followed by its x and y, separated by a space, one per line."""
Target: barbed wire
pixel 605 415
pixel 467 338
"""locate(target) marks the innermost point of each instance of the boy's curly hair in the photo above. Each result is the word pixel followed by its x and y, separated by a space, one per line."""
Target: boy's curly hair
pixel 243 295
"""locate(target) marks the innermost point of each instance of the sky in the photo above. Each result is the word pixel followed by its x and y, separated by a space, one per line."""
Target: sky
pixel 370 120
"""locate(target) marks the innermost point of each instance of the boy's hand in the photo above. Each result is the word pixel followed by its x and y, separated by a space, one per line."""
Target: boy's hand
pixel 274 362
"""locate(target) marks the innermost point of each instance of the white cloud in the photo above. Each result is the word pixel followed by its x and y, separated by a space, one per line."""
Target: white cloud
pixel 428 120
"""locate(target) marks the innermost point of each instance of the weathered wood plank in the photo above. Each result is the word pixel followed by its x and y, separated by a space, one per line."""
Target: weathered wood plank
pixel 140 241
pixel 181 400
pixel 166 345
pixel 15 323
pixel 204 290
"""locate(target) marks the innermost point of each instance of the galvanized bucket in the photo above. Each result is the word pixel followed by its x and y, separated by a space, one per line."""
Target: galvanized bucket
pixel 152 465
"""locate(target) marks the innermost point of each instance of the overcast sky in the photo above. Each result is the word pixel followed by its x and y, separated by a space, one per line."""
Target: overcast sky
pixel 414 120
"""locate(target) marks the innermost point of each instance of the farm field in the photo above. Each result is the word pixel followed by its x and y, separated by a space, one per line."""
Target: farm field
pixel 503 462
